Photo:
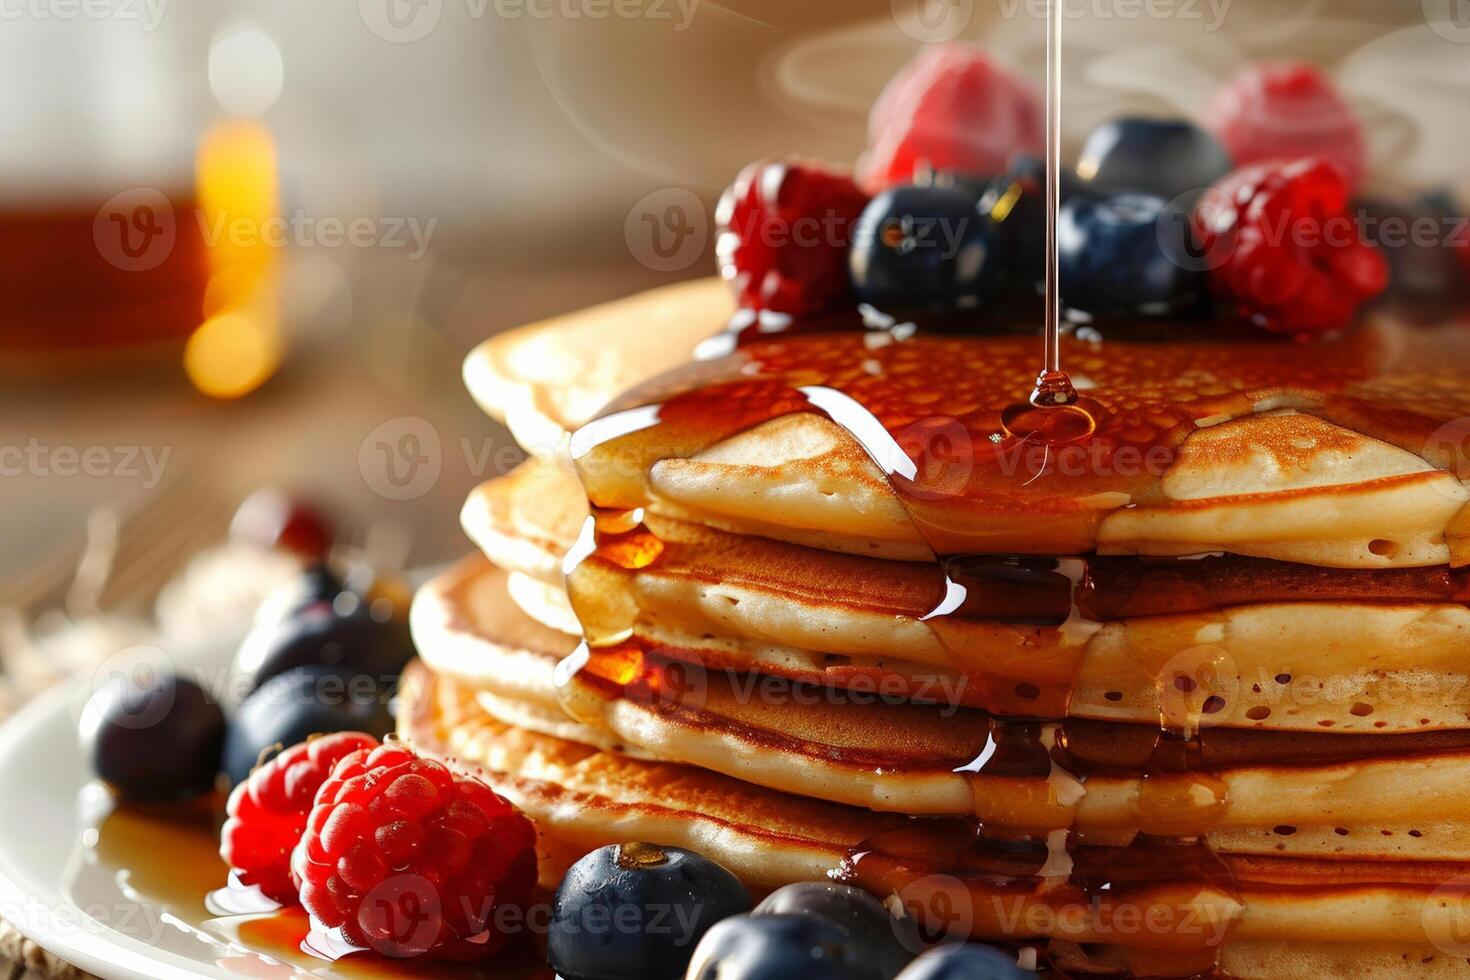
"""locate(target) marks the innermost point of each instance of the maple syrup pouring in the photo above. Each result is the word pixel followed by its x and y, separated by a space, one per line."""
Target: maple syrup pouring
pixel 922 404
pixel 1053 414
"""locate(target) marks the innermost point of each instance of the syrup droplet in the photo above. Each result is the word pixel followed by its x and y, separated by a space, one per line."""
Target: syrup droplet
pixel 1050 425
pixel 1053 414
pixel 638 855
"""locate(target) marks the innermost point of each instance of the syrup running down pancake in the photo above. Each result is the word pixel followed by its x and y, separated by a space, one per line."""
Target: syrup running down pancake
pixel 1207 657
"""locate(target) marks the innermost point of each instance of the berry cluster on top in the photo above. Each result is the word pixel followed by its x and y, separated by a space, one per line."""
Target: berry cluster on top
pixel 1249 211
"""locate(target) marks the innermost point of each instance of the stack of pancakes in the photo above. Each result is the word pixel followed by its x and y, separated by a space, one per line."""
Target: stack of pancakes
pixel 1186 694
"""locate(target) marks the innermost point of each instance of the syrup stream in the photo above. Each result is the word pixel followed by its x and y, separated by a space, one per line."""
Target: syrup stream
pixel 1053 413
pixel 1053 386
pixel 965 486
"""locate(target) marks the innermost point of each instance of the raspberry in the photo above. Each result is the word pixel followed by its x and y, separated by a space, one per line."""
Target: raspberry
pixel 267 812
pixel 406 858
pixel 949 109
pixel 1281 245
pixel 784 231
pixel 1287 109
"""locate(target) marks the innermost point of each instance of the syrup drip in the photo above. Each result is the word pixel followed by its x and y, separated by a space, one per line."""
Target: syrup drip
pixel 978 506
pixel 1053 414
pixel 997 492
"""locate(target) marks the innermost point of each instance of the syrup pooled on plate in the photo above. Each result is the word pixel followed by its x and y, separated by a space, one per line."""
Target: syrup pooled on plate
pixel 155 874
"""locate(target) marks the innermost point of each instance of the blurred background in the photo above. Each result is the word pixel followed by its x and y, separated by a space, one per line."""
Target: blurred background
pixel 247 245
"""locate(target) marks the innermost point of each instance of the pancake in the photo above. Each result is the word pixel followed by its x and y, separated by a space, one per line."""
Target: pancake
pixel 1282 918
pixel 528 519
pixel 545 379
pixel 1348 666
pixel 1391 664
pixel 1216 626
pixel 1330 452
pixel 1334 794
pixel 801 478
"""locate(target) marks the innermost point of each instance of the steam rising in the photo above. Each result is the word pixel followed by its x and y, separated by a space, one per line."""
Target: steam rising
pixel 739 82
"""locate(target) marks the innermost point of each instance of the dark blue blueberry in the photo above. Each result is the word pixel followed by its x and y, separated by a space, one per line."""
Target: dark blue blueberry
pixel 1024 166
pixel 153 737
pixel 955 179
pixel 1015 202
pixel 1016 205
pixel 302 702
pixel 872 934
pixel 778 947
pixel 353 634
pixel 1418 239
pixel 965 961
pixel 924 248
pixel 317 585
pixel 636 911
pixel 1167 157
pixel 1113 260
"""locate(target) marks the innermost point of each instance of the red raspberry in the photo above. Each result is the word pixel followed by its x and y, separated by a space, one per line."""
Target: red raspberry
pixel 1281 245
pixel 1287 109
pixel 784 233
pixel 408 859
pixel 267 812
pixel 949 109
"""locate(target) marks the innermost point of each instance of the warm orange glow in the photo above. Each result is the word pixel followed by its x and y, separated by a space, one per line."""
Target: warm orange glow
pixel 239 345
pixel 621 665
pixel 233 353
pixel 236 176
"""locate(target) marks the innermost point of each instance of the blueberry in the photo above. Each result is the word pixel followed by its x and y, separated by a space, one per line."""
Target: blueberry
pixel 302 702
pixel 1024 166
pixel 1015 202
pixel 153 736
pixel 871 932
pixel 1417 238
pixel 924 248
pixel 1167 157
pixel 965 961
pixel 351 634
pixel 778 947
pixel 1113 261
pixel 317 584
pixel 634 911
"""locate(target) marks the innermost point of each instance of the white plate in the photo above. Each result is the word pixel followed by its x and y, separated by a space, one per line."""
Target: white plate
pixel 120 894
